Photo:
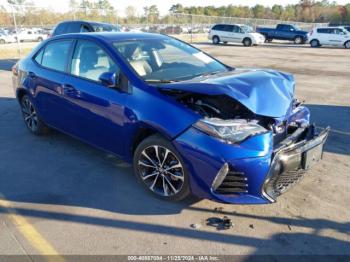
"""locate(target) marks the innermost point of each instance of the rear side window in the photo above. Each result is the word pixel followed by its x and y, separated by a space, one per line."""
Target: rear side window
pixel 55 55
pixel 60 29
pixel 228 28
pixel 322 30
pixel 39 56
pixel 218 27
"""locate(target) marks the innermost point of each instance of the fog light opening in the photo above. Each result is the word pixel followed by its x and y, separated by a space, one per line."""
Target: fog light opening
pixel 220 176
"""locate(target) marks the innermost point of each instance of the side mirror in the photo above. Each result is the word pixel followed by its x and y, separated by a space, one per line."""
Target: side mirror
pixel 109 79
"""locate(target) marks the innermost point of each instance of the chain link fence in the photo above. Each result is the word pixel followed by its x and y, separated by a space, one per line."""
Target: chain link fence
pixel 16 18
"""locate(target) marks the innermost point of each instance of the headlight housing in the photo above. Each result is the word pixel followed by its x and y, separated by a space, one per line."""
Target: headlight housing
pixel 230 131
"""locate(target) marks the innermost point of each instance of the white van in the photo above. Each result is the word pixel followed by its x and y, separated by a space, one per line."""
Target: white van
pixel 235 33
pixel 335 36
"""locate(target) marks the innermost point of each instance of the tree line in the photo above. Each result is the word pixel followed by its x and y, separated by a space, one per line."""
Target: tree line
pixel 305 11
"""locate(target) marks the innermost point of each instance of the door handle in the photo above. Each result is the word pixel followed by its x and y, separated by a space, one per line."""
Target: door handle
pixel 31 75
pixel 70 90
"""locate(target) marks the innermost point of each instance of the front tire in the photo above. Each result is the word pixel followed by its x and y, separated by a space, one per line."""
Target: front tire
pixel 159 167
pixel 247 41
pixel 298 40
pixel 31 118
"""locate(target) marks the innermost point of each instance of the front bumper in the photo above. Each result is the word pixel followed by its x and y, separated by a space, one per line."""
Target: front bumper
pixel 291 160
pixel 253 176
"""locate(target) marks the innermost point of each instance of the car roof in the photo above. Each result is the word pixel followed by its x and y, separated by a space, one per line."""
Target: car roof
pixel 84 21
pixel 113 36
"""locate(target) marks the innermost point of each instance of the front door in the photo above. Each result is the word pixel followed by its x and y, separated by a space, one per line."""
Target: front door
pixel 96 112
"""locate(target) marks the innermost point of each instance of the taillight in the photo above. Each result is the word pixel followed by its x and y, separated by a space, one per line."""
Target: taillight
pixel 15 70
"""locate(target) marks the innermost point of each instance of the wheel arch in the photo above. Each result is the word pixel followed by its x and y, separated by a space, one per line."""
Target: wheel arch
pixel 20 92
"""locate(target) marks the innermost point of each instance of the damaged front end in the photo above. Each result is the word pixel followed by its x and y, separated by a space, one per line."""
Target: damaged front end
pixel 245 156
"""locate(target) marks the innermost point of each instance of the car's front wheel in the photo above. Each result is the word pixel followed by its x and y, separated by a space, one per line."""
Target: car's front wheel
pixel 298 40
pixel 31 118
pixel 159 167
pixel 247 41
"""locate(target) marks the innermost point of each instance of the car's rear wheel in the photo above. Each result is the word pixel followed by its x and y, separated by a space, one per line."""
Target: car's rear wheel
pixel 314 43
pixel 247 41
pixel 160 169
pixel 216 40
pixel 347 44
pixel 298 40
pixel 31 118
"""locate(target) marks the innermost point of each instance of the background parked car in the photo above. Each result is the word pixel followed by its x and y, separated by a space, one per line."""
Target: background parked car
pixel 83 26
pixel 284 32
pixel 235 33
pixel 6 38
pixel 30 35
pixel 334 36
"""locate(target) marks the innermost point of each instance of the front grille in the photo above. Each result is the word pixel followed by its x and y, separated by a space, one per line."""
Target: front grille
pixel 280 183
pixel 234 183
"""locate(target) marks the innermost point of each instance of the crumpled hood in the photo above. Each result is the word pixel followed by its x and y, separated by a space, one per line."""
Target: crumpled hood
pixel 264 92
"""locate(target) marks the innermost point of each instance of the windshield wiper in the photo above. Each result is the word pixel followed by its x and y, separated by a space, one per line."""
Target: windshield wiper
pixel 162 81
pixel 208 74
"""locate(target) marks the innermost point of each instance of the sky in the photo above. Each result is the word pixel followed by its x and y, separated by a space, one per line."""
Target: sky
pixel 164 5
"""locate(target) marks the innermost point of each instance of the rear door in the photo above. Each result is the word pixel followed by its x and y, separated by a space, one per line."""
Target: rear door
pixel 48 78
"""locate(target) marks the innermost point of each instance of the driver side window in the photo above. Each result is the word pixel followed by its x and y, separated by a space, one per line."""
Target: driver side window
pixel 90 61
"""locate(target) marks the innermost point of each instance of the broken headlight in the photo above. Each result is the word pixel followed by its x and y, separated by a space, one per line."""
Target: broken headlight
pixel 231 131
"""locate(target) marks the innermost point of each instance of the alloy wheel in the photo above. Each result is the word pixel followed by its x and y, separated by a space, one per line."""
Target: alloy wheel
pixel 161 170
pixel 347 44
pixel 29 114
pixel 298 40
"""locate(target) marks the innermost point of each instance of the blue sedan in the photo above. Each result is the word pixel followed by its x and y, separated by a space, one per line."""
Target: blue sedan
pixel 187 122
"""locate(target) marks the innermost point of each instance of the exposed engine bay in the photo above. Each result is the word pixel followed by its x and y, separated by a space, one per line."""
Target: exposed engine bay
pixel 221 106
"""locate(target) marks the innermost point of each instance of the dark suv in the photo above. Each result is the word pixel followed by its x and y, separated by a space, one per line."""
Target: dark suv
pixel 67 27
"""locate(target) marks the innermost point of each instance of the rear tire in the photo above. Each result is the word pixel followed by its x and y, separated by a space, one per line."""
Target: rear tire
pixel 216 40
pixel 247 41
pixel 314 43
pixel 31 118
pixel 160 169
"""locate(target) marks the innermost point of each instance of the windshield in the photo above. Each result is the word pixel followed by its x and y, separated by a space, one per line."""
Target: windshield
pixel 165 60
pixel 247 29
pixel 105 28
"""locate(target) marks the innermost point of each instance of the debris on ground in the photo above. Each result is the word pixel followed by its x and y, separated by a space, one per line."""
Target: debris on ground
pixel 220 223
pixel 251 226
pixel 196 226
pixel 218 210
